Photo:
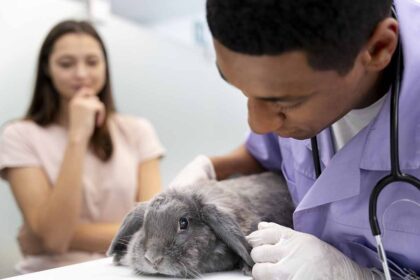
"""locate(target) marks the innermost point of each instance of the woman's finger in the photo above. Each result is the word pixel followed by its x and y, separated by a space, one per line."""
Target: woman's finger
pixel 100 114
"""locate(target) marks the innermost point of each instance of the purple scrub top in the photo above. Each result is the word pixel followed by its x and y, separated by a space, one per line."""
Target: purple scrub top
pixel 335 206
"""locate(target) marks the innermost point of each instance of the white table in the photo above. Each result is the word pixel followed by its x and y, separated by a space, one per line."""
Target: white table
pixel 103 269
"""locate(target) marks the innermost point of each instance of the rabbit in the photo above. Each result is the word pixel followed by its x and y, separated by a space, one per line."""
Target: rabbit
pixel 189 231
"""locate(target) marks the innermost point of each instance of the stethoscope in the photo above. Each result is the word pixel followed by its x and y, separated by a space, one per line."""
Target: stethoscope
pixel 394 176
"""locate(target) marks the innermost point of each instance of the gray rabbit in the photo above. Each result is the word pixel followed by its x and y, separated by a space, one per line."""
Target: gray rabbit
pixel 189 231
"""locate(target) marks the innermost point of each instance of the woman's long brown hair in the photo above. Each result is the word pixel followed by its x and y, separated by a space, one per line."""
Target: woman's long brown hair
pixel 45 105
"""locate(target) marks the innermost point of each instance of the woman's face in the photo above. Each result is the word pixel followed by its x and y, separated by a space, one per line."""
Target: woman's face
pixel 77 61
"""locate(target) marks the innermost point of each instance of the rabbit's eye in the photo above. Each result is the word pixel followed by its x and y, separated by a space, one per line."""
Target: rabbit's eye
pixel 183 223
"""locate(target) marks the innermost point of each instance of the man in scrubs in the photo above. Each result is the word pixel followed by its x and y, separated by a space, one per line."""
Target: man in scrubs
pixel 325 68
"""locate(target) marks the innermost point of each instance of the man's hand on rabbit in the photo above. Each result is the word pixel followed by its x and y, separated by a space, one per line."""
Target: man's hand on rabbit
pixel 282 253
pixel 200 169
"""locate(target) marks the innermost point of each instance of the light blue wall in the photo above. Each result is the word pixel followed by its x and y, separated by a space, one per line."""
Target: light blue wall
pixel 174 86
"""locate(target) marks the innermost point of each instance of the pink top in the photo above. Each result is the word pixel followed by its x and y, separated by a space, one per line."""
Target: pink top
pixel 109 188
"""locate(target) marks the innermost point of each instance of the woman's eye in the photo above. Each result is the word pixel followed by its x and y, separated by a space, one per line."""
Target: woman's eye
pixel 92 62
pixel 183 223
pixel 65 64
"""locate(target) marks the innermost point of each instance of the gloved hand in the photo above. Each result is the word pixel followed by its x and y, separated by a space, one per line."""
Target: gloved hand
pixel 200 169
pixel 282 253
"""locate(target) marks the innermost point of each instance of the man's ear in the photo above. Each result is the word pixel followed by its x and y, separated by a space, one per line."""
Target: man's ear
pixel 380 48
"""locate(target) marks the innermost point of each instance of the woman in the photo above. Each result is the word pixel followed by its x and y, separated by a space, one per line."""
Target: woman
pixel 75 166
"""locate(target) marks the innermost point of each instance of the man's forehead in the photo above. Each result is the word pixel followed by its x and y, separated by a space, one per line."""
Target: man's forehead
pixel 288 67
pixel 270 89
pixel 288 76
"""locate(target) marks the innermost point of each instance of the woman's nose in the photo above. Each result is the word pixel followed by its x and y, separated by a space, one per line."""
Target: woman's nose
pixel 261 119
pixel 81 70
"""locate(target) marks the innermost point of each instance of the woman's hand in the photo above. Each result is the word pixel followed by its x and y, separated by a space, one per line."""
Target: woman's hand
pixel 29 243
pixel 85 112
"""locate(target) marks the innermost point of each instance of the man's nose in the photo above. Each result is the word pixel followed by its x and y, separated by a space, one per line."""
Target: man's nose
pixel 261 119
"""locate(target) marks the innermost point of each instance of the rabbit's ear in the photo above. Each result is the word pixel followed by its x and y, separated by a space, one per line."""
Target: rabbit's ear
pixel 228 230
pixel 131 224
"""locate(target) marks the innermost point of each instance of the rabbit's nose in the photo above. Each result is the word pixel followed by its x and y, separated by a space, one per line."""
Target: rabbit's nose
pixel 153 259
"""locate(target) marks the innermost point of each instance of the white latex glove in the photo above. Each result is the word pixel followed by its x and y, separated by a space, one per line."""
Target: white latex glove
pixel 282 253
pixel 200 169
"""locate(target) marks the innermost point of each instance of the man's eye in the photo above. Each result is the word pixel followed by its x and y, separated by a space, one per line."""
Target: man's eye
pixel 183 223
pixel 285 108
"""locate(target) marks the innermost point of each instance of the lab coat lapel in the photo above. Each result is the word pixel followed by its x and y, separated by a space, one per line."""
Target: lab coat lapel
pixel 340 180
pixel 325 146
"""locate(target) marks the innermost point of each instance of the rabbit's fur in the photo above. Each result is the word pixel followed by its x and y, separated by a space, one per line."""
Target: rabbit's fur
pixel 153 238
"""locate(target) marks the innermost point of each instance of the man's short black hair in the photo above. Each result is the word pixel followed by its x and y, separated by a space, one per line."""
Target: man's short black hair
pixel 330 32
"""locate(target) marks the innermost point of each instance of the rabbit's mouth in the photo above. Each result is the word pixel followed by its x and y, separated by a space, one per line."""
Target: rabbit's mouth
pixel 186 273
pixel 180 269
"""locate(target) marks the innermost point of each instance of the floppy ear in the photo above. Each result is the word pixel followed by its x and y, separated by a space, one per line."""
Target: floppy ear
pixel 131 224
pixel 228 230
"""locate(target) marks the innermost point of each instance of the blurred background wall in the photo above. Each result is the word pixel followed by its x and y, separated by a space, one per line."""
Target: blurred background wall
pixel 162 68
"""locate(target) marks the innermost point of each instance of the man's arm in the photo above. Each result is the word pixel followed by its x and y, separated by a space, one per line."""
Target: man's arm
pixel 239 161
pixel 203 168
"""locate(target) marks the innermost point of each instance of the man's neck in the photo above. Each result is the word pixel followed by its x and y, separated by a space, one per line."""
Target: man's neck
pixel 381 85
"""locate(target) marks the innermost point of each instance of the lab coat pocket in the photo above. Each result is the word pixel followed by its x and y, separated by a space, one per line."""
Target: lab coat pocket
pixel 364 255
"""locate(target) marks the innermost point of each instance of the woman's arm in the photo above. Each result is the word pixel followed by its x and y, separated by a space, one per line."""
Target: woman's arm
pixel 93 238
pixel 85 237
pixel 148 182
pixel 98 237
pixel 51 212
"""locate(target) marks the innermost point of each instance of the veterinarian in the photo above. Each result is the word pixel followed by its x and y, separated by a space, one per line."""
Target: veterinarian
pixel 74 164
pixel 323 68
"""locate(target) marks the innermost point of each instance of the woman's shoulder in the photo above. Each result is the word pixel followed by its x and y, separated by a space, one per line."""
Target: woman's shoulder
pixel 28 130
pixel 131 123
pixel 20 127
pixel 136 130
pixel 139 134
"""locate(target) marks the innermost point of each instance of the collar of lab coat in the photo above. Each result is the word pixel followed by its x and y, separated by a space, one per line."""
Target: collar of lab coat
pixel 340 180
